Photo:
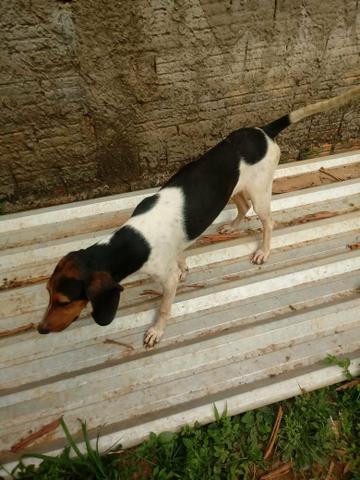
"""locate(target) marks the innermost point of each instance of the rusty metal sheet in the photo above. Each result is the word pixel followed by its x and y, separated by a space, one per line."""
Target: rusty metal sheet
pixel 240 335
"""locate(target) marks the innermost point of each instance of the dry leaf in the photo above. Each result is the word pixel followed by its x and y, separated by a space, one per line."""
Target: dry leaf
pixel 274 434
pixel 331 468
pixel 347 385
pixel 277 472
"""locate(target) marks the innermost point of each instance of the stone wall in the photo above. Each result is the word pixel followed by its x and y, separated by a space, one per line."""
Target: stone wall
pixel 104 96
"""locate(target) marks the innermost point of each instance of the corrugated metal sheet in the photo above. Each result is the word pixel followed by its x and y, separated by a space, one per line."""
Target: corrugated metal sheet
pixel 240 334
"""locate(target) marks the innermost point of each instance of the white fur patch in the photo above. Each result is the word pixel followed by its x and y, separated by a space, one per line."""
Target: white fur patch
pixel 256 179
pixel 163 228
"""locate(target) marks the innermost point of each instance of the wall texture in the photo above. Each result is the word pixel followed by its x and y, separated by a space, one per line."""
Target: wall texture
pixel 104 96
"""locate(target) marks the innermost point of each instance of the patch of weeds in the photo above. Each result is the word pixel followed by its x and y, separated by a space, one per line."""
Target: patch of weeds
pixel 285 157
pixel 89 465
pixel 342 363
pixel 309 153
pixel 228 449
pixel 348 402
pixel 307 436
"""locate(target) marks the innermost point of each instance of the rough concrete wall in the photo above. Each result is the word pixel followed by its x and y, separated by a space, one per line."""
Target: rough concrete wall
pixel 108 96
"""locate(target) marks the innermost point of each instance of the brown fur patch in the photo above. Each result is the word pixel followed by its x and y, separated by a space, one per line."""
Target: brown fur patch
pixel 60 314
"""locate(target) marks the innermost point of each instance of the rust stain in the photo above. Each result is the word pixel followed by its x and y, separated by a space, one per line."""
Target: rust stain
pixel 151 292
pixel 121 344
pixel 24 442
pixel 312 179
pixel 7 284
pixel 15 331
pixel 311 217
pixel 218 237
pixel 187 286
pixel 228 278
pixel 354 246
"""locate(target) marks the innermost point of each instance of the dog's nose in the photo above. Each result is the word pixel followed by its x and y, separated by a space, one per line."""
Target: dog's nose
pixel 43 329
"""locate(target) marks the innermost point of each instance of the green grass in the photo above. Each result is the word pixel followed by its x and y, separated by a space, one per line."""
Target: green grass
pixel 316 428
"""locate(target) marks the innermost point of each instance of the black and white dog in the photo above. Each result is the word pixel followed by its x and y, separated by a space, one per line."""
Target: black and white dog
pixel 153 240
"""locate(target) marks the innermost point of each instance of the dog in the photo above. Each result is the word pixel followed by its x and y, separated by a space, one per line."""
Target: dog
pixel 162 226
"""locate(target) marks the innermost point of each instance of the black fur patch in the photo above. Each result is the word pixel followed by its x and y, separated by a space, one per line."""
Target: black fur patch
pixel 249 144
pixel 126 252
pixel 73 288
pixel 208 182
pixel 130 251
pixel 145 205
pixel 274 128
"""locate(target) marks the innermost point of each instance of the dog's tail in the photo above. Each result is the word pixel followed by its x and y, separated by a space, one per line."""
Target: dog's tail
pixel 274 128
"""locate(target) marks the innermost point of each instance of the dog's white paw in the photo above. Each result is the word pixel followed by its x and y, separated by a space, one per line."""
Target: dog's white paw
pixel 183 274
pixel 227 228
pixel 184 269
pixel 259 257
pixel 153 336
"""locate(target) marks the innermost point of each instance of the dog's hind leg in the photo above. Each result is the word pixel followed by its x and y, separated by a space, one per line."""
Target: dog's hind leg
pixel 154 334
pixel 243 205
pixel 262 206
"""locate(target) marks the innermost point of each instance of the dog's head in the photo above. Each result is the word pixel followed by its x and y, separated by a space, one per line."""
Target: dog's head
pixel 72 285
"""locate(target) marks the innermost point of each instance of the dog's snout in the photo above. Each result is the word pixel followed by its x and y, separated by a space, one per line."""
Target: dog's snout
pixel 43 330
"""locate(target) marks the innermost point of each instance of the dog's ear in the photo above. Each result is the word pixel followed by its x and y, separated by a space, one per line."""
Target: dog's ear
pixel 104 295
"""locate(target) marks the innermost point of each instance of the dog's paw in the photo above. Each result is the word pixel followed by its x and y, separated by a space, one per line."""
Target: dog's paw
pixel 183 274
pixel 152 336
pixel 259 257
pixel 227 228
pixel 183 268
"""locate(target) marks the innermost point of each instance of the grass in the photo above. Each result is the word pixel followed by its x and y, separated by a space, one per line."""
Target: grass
pixel 317 430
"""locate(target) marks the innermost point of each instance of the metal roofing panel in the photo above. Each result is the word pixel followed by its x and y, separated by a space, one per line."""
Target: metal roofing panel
pixel 240 334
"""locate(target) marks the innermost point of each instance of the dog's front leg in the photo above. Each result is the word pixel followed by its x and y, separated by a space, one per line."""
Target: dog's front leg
pixel 154 334
pixel 181 261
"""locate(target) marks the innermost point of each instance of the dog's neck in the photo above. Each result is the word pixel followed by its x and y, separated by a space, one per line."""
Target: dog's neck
pixel 124 253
